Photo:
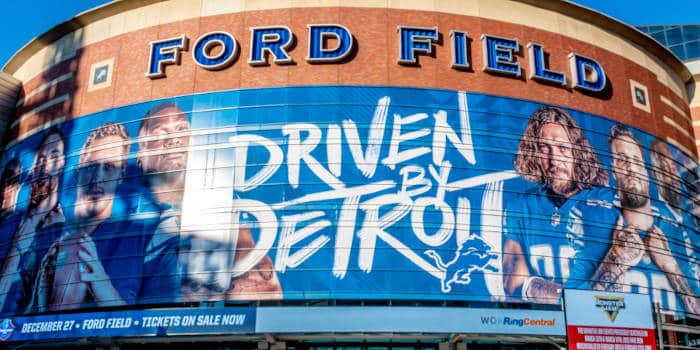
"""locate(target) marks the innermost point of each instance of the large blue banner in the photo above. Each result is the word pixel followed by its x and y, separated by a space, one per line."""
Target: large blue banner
pixel 340 192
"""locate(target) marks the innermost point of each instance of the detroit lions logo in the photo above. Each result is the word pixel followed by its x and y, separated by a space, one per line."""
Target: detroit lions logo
pixel 6 329
pixel 474 254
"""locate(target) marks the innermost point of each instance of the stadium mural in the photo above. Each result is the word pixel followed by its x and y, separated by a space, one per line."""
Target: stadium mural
pixel 338 192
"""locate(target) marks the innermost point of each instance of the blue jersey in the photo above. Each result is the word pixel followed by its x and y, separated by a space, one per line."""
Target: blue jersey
pixel 690 263
pixel 162 247
pixel 20 292
pixel 562 239
pixel 10 224
pixel 690 241
pixel 141 271
pixel 141 266
pixel 646 277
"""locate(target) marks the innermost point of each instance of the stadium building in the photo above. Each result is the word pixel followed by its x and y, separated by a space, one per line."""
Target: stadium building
pixel 684 41
pixel 506 174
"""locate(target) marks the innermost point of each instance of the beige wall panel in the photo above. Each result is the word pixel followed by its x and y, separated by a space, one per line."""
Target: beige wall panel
pixel 217 7
pixel 103 29
pixel 63 49
pixel 605 40
pixel 315 3
pixel 142 17
pixel 633 52
pixel 467 8
pixel 666 76
pixel 178 10
pixel 520 13
pixel 117 27
pixel 66 47
pixel 675 107
pixel 34 65
pixel 420 5
pixel 255 5
pixel 695 90
pixel 364 3
pixel 575 29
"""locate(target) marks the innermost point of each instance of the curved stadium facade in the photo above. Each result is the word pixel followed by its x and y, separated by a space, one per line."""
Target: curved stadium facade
pixel 340 174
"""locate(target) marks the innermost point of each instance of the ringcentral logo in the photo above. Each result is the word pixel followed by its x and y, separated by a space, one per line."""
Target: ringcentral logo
pixel 610 305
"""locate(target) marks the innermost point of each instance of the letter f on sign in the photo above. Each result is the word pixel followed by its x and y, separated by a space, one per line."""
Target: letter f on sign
pixel 415 40
pixel 165 52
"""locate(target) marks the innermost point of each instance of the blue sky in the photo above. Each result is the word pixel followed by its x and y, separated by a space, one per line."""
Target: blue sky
pixel 641 12
pixel 25 19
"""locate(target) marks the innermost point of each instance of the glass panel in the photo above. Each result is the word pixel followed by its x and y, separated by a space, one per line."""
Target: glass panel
pixel 660 37
pixel 656 28
pixel 691 32
pixel 644 29
pixel 674 36
pixel 679 51
pixel 692 49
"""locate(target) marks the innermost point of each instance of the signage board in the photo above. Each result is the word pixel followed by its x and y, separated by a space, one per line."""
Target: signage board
pixel 410 319
pixel 604 320
pixel 129 323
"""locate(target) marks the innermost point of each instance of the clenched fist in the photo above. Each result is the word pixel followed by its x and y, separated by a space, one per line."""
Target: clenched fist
pixel 659 251
pixel 628 247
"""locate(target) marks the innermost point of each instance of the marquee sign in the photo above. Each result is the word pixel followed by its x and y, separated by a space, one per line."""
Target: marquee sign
pixel 604 320
pixel 333 43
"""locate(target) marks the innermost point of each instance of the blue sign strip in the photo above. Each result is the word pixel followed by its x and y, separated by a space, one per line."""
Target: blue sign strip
pixel 373 319
pixel 132 323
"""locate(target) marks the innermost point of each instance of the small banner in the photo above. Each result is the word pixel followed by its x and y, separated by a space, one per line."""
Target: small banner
pixel 129 323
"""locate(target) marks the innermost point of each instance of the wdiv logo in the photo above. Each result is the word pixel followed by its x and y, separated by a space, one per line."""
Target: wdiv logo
pixel 611 305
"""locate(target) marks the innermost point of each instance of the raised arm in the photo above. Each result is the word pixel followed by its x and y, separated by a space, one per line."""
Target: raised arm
pixel 659 250
pixel 626 250
pixel 517 277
